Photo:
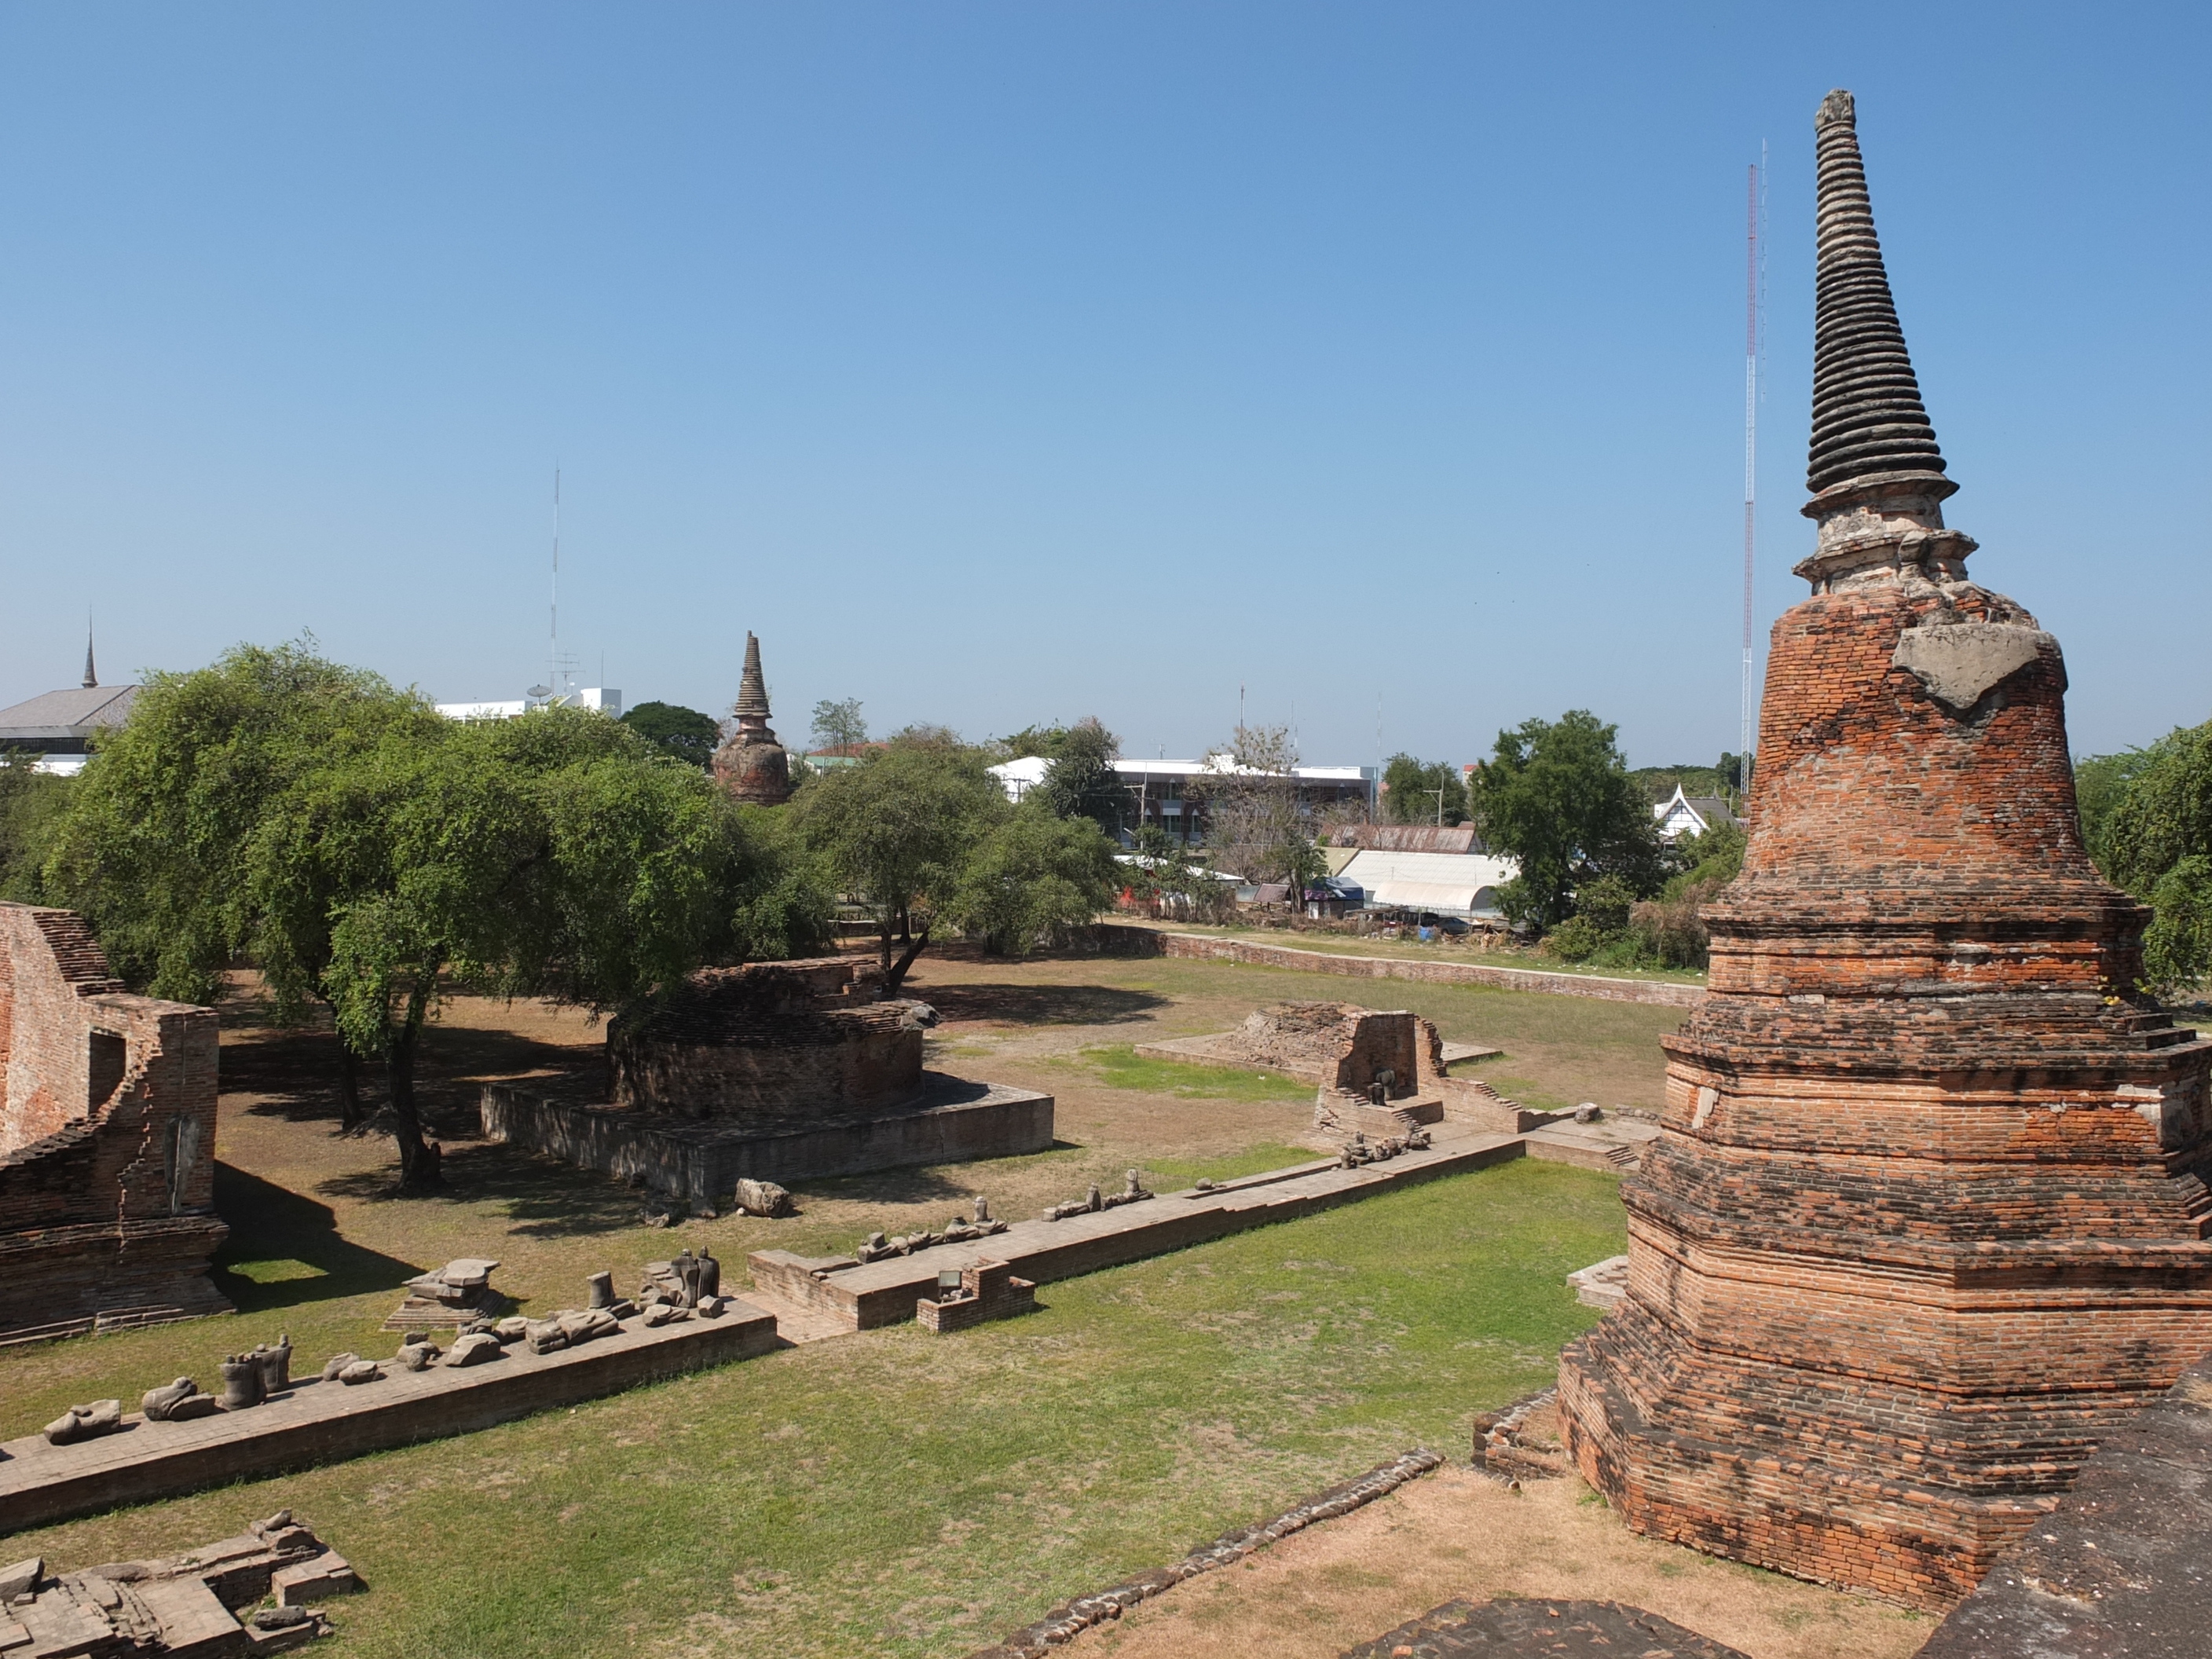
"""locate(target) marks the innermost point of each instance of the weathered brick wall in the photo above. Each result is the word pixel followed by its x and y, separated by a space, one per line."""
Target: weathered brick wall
pixel 108 1203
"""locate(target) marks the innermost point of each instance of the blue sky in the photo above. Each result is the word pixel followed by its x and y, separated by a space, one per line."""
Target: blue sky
pixel 1006 362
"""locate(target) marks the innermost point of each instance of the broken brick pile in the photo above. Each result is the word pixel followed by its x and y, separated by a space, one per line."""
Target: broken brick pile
pixel 1928 1215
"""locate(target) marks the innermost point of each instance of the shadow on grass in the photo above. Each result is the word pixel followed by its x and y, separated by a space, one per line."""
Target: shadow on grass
pixel 549 1199
pixel 948 1183
pixel 293 1075
pixel 1041 1004
pixel 295 1244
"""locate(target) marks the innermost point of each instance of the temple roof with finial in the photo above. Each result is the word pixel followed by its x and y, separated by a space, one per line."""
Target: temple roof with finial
pixel 91 678
pixel 752 689
pixel 1867 418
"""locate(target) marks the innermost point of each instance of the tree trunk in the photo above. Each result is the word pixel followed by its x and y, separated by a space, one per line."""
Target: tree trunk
pixel 349 1114
pixel 896 976
pixel 419 1159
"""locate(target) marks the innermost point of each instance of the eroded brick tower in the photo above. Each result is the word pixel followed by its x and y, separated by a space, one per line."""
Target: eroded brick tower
pixel 1929 1212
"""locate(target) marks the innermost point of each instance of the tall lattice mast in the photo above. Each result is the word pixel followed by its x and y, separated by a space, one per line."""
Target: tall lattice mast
pixel 1754 191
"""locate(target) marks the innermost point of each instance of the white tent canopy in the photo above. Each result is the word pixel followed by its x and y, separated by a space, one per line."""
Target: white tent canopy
pixel 1454 884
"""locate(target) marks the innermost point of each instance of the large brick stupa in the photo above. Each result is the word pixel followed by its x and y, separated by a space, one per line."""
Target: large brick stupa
pixel 1929 1212
pixel 750 763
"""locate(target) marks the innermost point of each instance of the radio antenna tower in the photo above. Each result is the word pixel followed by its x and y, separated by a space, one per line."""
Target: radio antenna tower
pixel 553 661
pixel 1754 282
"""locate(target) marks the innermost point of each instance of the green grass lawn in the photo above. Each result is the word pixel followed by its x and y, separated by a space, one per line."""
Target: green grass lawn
pixel 892 1492
pixel 1119 1066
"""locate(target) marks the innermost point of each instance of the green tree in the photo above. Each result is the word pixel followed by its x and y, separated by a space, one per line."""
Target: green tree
pixel 557 856
pixel 1081 782
pixel 163 845
pixel 784 905
pixel 364 851
pixel 896 832
pixel 1423 792
pixel 1035 879
pixel 2152 835
pixel 1557 797
pixel 681 733
pixel 32 805
pixel 838 728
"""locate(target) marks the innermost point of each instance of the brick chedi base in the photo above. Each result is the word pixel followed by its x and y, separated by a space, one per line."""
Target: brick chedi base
pixel 1928 1214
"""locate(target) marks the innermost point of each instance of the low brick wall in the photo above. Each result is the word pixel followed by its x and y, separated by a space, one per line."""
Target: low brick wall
pixel 1665 993
pixel 879 1294
pixel 319 1422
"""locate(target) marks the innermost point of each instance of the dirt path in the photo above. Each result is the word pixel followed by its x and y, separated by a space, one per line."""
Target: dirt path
pixel 1455 1533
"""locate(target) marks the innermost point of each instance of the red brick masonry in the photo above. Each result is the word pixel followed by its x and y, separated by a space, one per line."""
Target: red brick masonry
pixel 107 1105
pixel 1928 1214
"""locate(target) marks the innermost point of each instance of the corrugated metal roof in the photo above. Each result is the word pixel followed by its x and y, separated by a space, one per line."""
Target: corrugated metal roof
pixel 1409 837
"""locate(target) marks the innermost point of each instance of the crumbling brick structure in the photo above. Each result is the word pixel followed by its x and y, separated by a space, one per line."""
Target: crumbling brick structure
pixel 769 1040
pixel 751 764
pixel 107 1113
pixel 1927 1216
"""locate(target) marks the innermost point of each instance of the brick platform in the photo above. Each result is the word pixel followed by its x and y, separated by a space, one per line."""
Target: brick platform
pixel 862 1296
pixel 700 1160
pixel 319 1422
pixel 1928 1214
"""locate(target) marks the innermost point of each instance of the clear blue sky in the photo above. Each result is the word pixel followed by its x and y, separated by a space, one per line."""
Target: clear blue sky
pixel 1004 362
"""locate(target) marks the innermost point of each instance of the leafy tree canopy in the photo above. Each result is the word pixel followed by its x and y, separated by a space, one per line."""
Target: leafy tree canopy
pixel 2148 818
pixel 1411 791
pixel 364 851
pixel 32 804
pixel 1557 796
pixel 1034 880
pixel 683 733
pixel 1081 782
pixel 897 831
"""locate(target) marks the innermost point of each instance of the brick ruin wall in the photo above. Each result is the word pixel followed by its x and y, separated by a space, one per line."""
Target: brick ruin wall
pixel 772 1042
pixel 107 1122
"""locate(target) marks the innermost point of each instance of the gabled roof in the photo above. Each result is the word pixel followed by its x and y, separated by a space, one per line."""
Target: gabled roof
pixel 75 713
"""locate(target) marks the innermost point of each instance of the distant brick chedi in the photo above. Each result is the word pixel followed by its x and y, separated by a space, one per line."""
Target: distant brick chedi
pixel 751 764
pixel 1929 1214
pixel 107 1110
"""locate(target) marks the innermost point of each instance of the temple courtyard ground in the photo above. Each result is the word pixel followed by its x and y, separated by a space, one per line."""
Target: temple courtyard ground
pixel 892 1493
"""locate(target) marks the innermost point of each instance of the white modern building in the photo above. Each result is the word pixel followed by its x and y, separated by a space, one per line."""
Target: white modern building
pixel 606 699
pixel 1159 791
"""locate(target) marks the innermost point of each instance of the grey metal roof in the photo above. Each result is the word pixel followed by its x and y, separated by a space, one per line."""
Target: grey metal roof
pixel 75 713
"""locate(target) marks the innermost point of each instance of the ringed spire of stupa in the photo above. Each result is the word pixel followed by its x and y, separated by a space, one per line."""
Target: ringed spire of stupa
pixel 752 689
pixel 1867 418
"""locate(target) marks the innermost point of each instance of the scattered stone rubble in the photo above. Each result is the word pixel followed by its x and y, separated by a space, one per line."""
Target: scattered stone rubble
pixel 189 1604
pixel 1065 1623
pixel 1133 1191
pixel 1359 1149
pixel 878 1247
pixel 459 1293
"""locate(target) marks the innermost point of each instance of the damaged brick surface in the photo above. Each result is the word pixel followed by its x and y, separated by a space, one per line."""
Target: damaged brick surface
pixel 107 1115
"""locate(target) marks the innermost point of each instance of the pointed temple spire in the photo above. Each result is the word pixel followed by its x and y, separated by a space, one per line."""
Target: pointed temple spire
pixel 752 689
pixel 91 678
pixel 1867 418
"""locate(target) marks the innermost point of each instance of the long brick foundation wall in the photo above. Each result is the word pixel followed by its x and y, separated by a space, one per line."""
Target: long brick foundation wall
pixel 1663 992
